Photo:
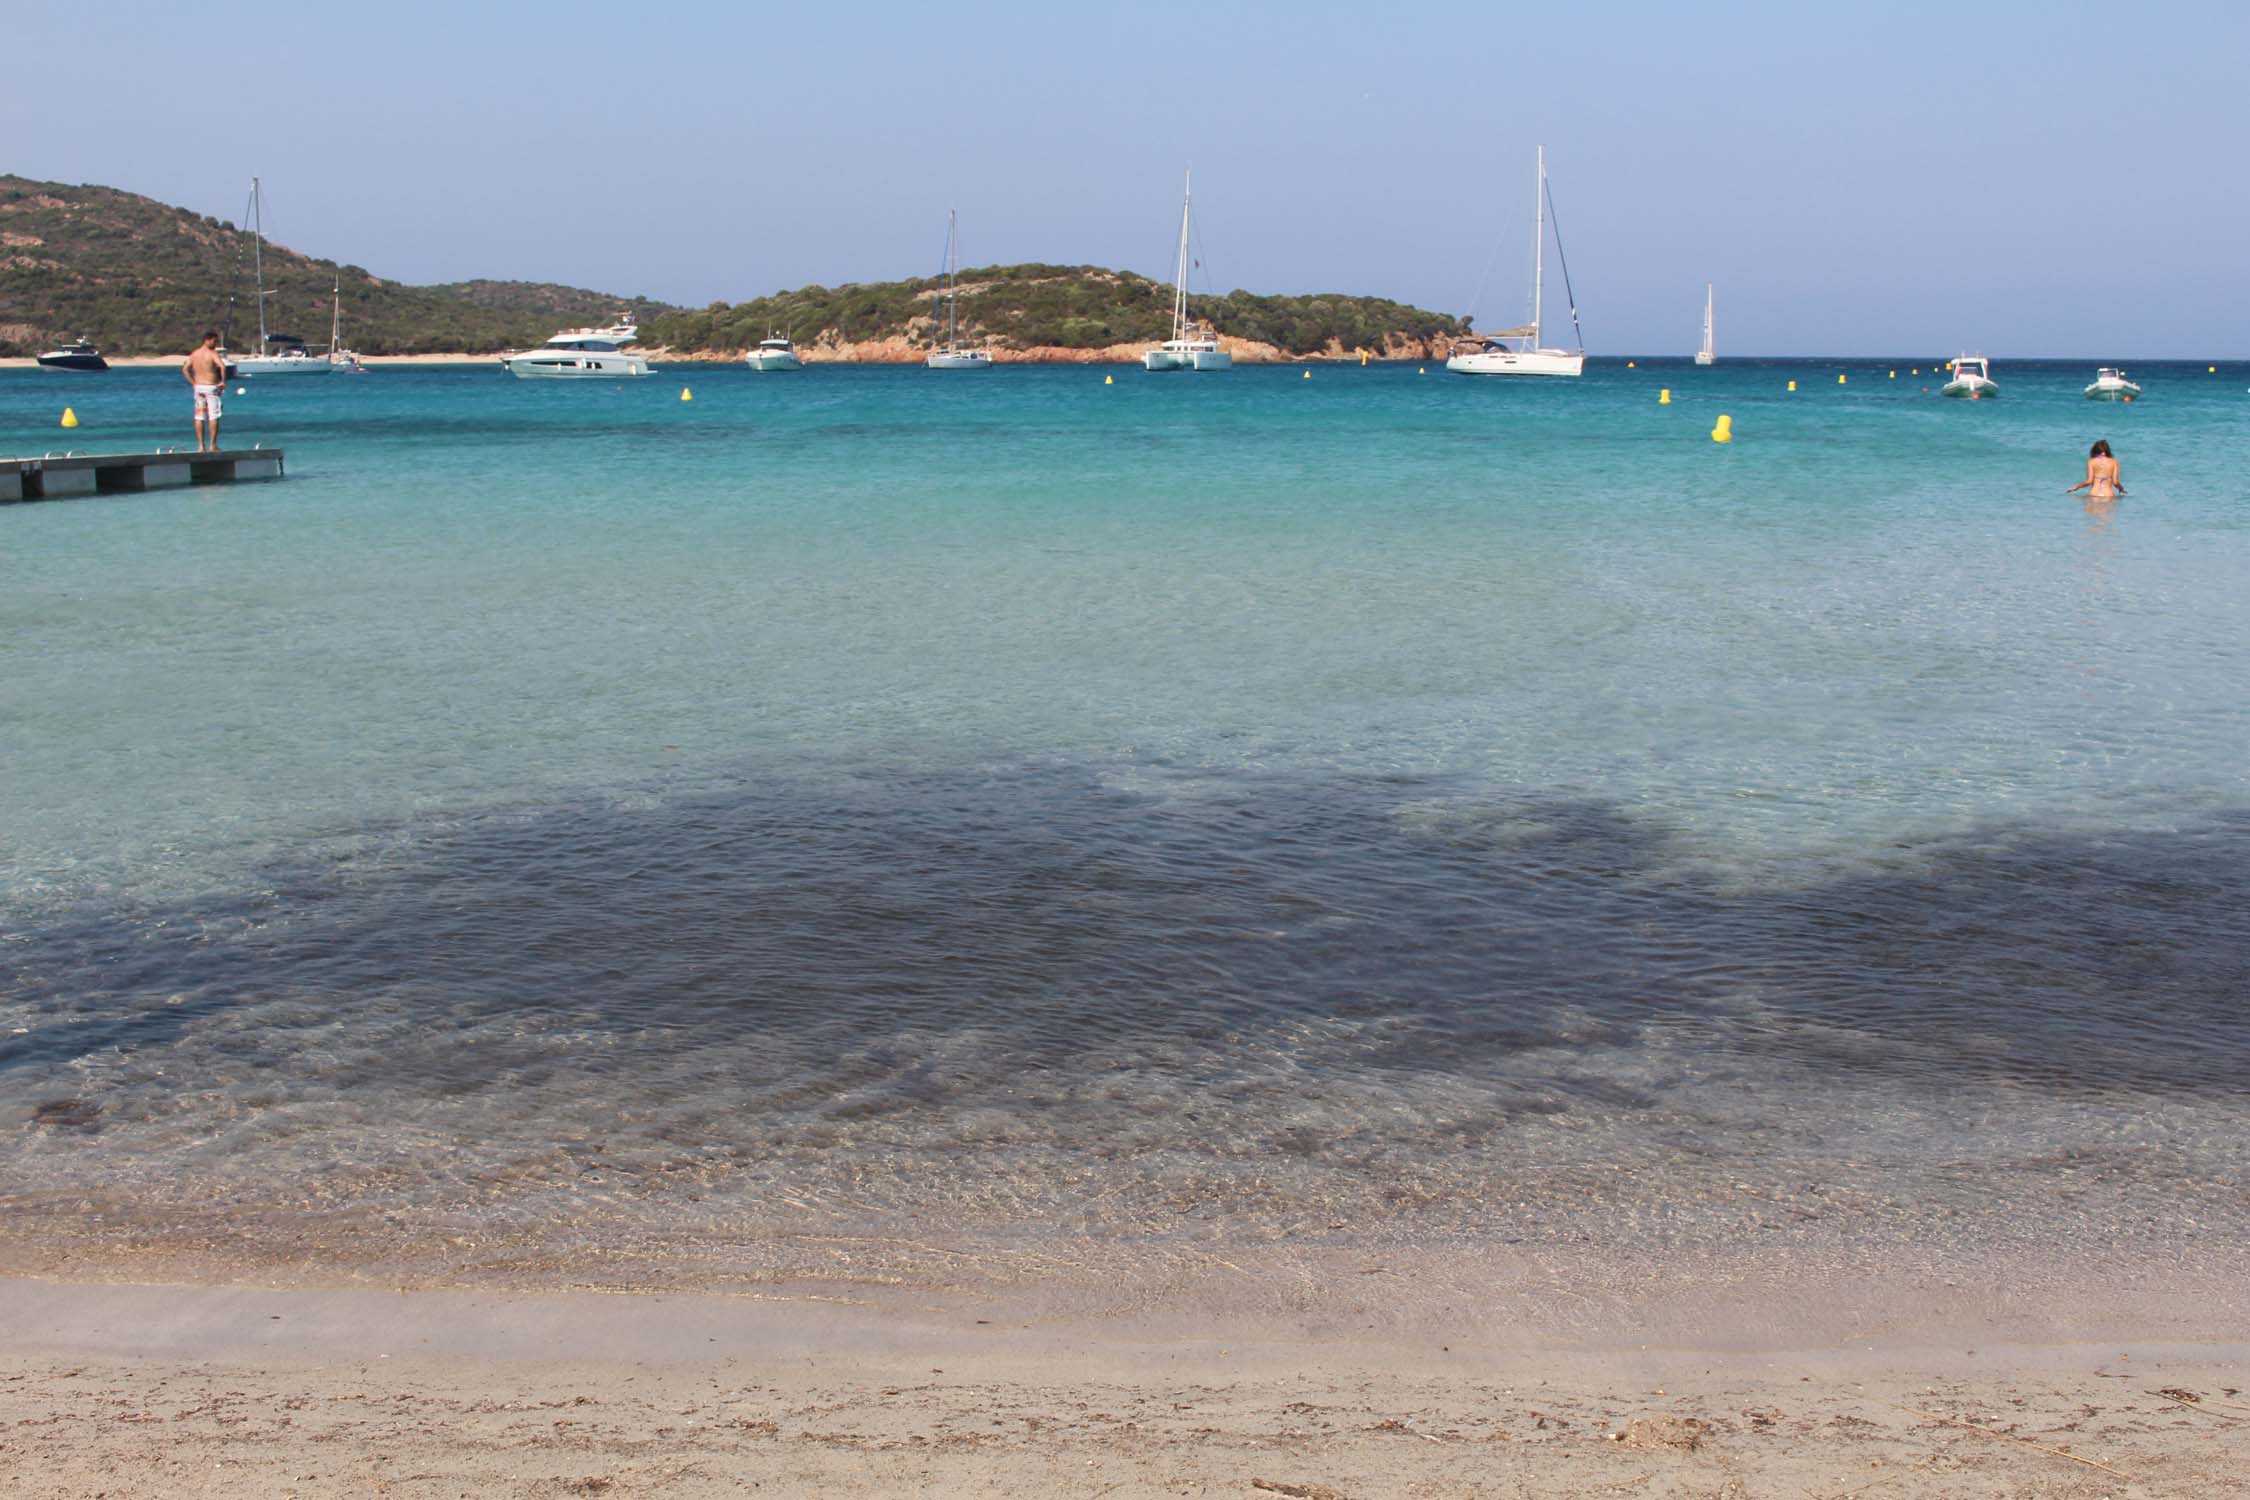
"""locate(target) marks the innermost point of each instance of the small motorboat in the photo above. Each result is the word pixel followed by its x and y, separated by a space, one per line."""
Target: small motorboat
pixel 1972 378
pixel 2111 385
pixel 78 356
pixel 776 353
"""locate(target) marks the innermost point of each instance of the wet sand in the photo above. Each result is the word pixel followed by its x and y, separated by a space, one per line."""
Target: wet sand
pixel 226 1391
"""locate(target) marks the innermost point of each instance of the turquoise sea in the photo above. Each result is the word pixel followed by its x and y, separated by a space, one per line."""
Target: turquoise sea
pixel 571 821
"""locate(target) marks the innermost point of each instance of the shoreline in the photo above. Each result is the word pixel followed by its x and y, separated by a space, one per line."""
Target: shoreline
pixel 213 1391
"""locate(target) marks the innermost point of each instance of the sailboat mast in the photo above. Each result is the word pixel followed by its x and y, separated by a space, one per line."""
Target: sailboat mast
pixel 258 256
pixel 952 277
pixel 1538 244
pixel 335 318
pixel 1180 276
pixel 1707 346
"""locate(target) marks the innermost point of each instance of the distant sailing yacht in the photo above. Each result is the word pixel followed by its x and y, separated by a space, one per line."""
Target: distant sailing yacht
pixel 1490 354
pixel 338 356
pixel 953 356
pixel 292 358
pixel 1706 355
pixel 1191 346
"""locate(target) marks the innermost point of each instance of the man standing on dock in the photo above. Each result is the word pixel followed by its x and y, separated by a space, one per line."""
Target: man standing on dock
pixel 206 370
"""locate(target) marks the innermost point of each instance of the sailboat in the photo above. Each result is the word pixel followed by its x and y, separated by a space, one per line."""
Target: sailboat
pixel 1489 353
pixel 1706 355
pixel 278 353
pixel 338 356
pixel 1191 346
pixel 953 356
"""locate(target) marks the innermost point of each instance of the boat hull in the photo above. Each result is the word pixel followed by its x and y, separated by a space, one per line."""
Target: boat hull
pixel 1166 359
pixel 265 365
pixel 2124 391
pixel 1966 388
pixel 958 359
pixel 1210 359
pixel 554 365
pixel 768 360
pixel 84 364
pixel 1706 359
pixel 1517 362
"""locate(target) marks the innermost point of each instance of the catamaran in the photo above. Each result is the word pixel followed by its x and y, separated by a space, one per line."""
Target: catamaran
pixel 1489 353
pixel 278 353
pixel 953 356
pixel 1972 378
pixel 1191 346
pixel 1706 355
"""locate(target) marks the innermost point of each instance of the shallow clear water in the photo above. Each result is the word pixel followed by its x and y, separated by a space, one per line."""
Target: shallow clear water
pixel 1190 802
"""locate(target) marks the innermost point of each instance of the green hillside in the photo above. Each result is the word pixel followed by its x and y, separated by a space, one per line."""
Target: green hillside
pixel 141 277
pixel 1030 306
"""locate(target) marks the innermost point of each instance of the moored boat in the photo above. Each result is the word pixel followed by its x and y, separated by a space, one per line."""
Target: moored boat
pixel 1191 346
pixel 81 356
pixel 953 356
pixel 1972 379
pixel 581 353
pixel 278 353
pixel 1516 351
pixel 776 353
pixel 1708 354
pixel 2111 385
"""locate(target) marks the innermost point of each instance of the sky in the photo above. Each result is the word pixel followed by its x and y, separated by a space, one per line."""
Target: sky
pixel 2051 179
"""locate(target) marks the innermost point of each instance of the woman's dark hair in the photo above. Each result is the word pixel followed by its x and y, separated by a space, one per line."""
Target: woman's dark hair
pixel 2100 448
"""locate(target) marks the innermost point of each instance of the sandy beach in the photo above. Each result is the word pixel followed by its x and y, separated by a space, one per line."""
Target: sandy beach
pixel 146 1390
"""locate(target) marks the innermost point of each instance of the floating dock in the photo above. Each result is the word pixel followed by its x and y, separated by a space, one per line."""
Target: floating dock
pixel 60 476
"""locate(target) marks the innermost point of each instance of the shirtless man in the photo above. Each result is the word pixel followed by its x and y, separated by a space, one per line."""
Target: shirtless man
pixel 206 370
pixel 2101 481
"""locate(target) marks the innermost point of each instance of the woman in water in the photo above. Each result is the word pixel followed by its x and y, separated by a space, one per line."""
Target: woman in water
pixel 2101 481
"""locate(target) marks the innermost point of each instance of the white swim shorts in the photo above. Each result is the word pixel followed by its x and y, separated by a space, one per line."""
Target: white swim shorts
pixel 207 401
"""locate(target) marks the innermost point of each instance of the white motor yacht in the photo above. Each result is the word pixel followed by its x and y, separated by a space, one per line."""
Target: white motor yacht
pixel 1191 346
pixel 776 353
pixel 1491 353
pixel 2111 385
pixel 582 353
pixel 1972 379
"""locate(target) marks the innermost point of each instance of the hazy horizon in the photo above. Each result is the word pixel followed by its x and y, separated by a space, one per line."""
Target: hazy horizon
pixel 1923 178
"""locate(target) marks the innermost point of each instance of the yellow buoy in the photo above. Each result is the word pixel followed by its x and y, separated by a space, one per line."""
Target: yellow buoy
pixel 69 417
pixel 1839 380
pixel 1421 369
pixel 1664 397
pixel 1308 374
pixel 1792 385
pixel 1894 374
pixel 686 394
pixel 1724 432
pixel 1363 359
pixel 1109 380
pixel 1910 372
pixel 1630 365
pixel 2211 370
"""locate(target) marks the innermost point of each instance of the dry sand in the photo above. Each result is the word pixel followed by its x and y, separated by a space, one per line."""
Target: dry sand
pixel 164 1391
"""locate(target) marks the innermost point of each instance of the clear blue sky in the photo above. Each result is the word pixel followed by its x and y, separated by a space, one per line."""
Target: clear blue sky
pixel 2051 178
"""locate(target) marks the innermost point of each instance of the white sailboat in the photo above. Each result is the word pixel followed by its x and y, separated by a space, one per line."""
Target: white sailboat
pixel 1191 346
pixel 1490 353
pixel 1707 354
pixel 953 356
pixel 342 358
pixel 291 357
